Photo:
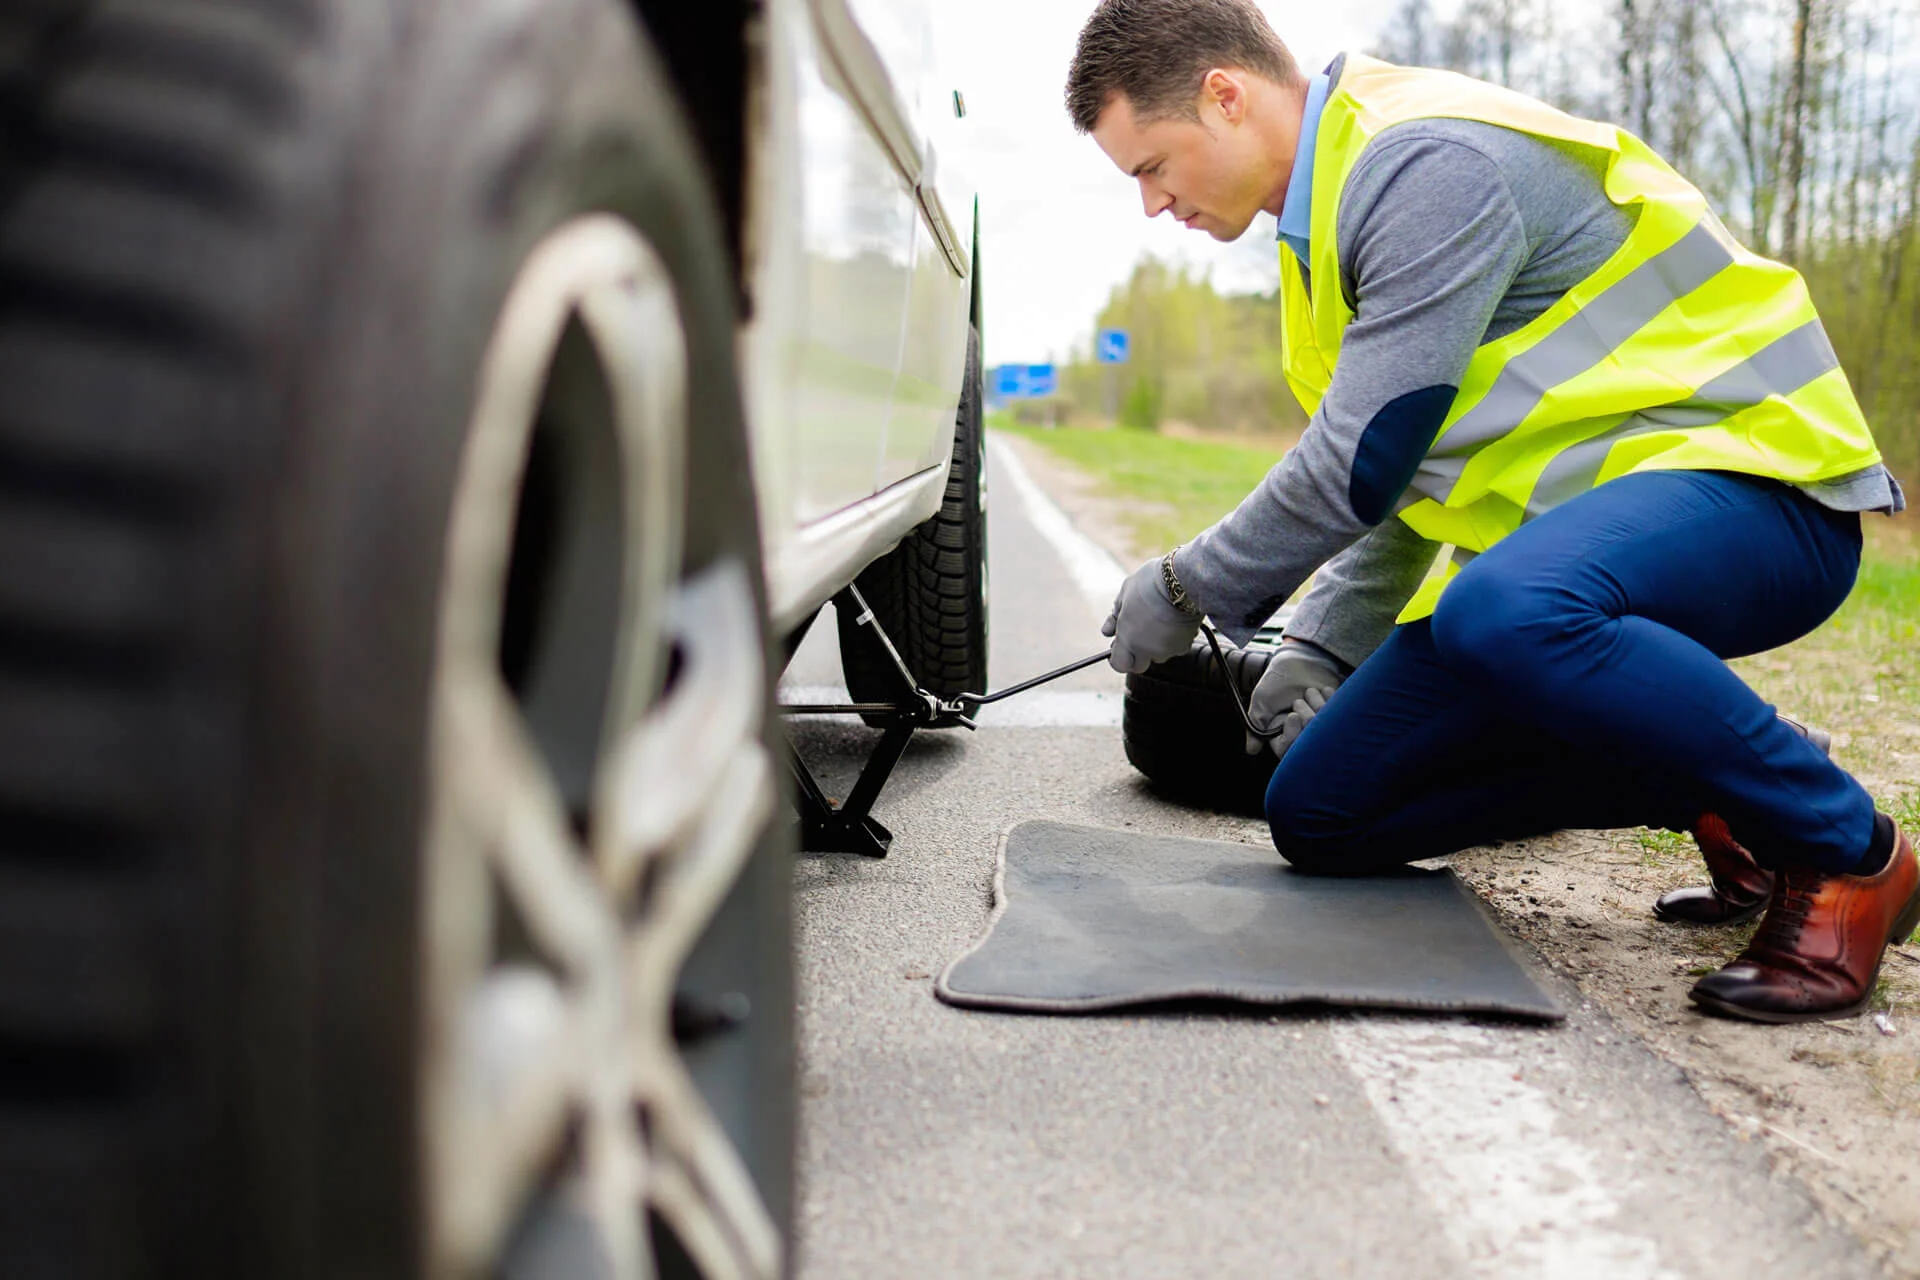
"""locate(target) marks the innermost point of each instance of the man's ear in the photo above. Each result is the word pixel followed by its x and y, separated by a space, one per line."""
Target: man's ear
pixel 1226 92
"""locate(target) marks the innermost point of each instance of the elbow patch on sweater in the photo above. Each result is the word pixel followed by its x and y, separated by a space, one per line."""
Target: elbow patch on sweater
pixel 1392 447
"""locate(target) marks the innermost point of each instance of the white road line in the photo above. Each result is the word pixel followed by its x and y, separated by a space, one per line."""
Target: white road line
pixel 1096 573
pixel 1517 1197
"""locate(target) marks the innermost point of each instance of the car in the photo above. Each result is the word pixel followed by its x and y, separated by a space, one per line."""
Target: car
pixel 425 429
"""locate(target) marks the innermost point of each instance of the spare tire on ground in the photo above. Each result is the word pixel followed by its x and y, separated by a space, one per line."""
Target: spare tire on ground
pixel 1183 732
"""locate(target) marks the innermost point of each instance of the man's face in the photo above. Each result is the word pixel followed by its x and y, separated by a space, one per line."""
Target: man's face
pixel 1210 174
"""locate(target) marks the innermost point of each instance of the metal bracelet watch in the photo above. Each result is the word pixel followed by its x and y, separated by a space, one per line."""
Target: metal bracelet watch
pixel 1175 592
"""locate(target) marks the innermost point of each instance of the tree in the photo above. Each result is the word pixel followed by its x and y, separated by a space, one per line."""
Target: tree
pixel 1685 116
pixel 1408 34
pixel 1629 21
pixel 1748 114
pixel 1793 135
pixel 1198 356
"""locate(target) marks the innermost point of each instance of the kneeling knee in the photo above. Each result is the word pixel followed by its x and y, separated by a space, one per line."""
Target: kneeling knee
pixel 1310 836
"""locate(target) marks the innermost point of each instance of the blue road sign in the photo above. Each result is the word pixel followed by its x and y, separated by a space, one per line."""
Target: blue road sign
pixel 1025 381
pixel 1113 346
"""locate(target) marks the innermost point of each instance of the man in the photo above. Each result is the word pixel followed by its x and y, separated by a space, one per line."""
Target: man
pixel 1571 447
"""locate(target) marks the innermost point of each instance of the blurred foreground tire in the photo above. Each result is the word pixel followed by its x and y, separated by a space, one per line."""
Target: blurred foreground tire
pixel 1182 731
pixel 392 873
pixel 930 592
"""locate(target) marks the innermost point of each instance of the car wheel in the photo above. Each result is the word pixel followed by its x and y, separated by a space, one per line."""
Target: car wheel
pixel 1181 729
pixel 395 881
pixel 930 592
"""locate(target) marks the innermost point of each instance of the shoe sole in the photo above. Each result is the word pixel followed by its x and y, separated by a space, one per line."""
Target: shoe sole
pixel 1741 917
pixel 1713 1004
pixel 1903 929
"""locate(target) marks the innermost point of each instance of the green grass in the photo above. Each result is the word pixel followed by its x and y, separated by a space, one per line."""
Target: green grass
pixel 1663 846
pixel 1885 605
pixel 1905 810
pixel 1177 487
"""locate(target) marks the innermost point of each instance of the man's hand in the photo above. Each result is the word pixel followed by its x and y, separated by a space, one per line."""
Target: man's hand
pixel 1145 624
pixel 1294 688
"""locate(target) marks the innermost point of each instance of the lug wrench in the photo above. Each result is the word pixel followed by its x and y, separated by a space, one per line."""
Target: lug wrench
pixel 954 706
pixel 957 706
pixel 1233 690
pixel 850 828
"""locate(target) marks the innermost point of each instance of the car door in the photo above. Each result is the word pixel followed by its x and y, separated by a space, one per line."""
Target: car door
pixel 857 222
pixel 885 54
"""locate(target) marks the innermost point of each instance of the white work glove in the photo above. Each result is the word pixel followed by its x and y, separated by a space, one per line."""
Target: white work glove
pixel 1292 691
pixel 1145 625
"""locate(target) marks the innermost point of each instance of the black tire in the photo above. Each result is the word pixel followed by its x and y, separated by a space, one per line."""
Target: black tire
pixel 930 592
pixel 1182 731
pixel 251 256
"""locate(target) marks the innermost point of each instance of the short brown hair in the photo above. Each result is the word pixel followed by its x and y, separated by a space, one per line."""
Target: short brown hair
pixel 1156 53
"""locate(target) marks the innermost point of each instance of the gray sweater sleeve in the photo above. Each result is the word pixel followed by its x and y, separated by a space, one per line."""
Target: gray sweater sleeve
pixel 1430 240
pixel 1358 594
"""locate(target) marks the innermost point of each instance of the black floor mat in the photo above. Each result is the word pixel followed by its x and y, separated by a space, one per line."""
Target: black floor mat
pixel 1087 919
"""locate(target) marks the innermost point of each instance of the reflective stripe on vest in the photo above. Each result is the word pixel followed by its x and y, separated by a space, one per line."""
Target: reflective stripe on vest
pixel 1684 351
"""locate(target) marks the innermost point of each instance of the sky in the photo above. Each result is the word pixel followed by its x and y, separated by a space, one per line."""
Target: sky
pixel 1059 225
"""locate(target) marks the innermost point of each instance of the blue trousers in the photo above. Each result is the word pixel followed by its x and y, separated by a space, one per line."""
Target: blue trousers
pixel 1573 677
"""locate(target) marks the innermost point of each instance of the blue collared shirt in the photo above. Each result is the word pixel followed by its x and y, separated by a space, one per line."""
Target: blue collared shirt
pixel 1296 214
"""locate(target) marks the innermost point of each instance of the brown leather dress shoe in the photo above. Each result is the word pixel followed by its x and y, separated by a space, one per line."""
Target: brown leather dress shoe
pixel 1818 952
pixel 1738 887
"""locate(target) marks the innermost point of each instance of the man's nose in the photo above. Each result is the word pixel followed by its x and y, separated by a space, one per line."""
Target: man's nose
pixel 1153 199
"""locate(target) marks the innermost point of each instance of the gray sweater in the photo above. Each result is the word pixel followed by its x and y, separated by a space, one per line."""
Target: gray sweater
pixel 1452 234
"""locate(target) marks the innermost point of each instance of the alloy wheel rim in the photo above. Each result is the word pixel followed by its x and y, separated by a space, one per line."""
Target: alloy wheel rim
pixel 550 1073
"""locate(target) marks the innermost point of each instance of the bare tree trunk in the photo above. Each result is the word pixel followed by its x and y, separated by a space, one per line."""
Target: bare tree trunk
pixel 1831 123
pixel 1407 43
pixel 1743 118
pixel 1629 24
pixel 1793 137
pixel 1506 20
pixel 1651 16
pixel 1861 126
pixel 1883 175
pixel 1684 130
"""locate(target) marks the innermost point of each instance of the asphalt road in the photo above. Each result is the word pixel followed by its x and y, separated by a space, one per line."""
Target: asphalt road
pixel 942 1143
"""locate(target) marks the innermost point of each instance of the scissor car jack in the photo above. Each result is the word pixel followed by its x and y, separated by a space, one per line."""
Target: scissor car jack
pixel 850 827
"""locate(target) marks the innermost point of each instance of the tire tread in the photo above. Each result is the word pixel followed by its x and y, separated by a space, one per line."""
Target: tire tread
pixel 142 241
pixel 1182 731
pixel 927 591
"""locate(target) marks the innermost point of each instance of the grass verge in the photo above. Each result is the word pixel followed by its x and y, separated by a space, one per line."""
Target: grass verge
pixel 1174 488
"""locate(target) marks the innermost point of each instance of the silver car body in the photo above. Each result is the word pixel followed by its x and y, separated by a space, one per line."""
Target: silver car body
pixel 860 259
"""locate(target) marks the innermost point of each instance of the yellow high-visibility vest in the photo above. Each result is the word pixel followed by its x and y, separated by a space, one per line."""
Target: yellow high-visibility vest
pixel 1684 352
